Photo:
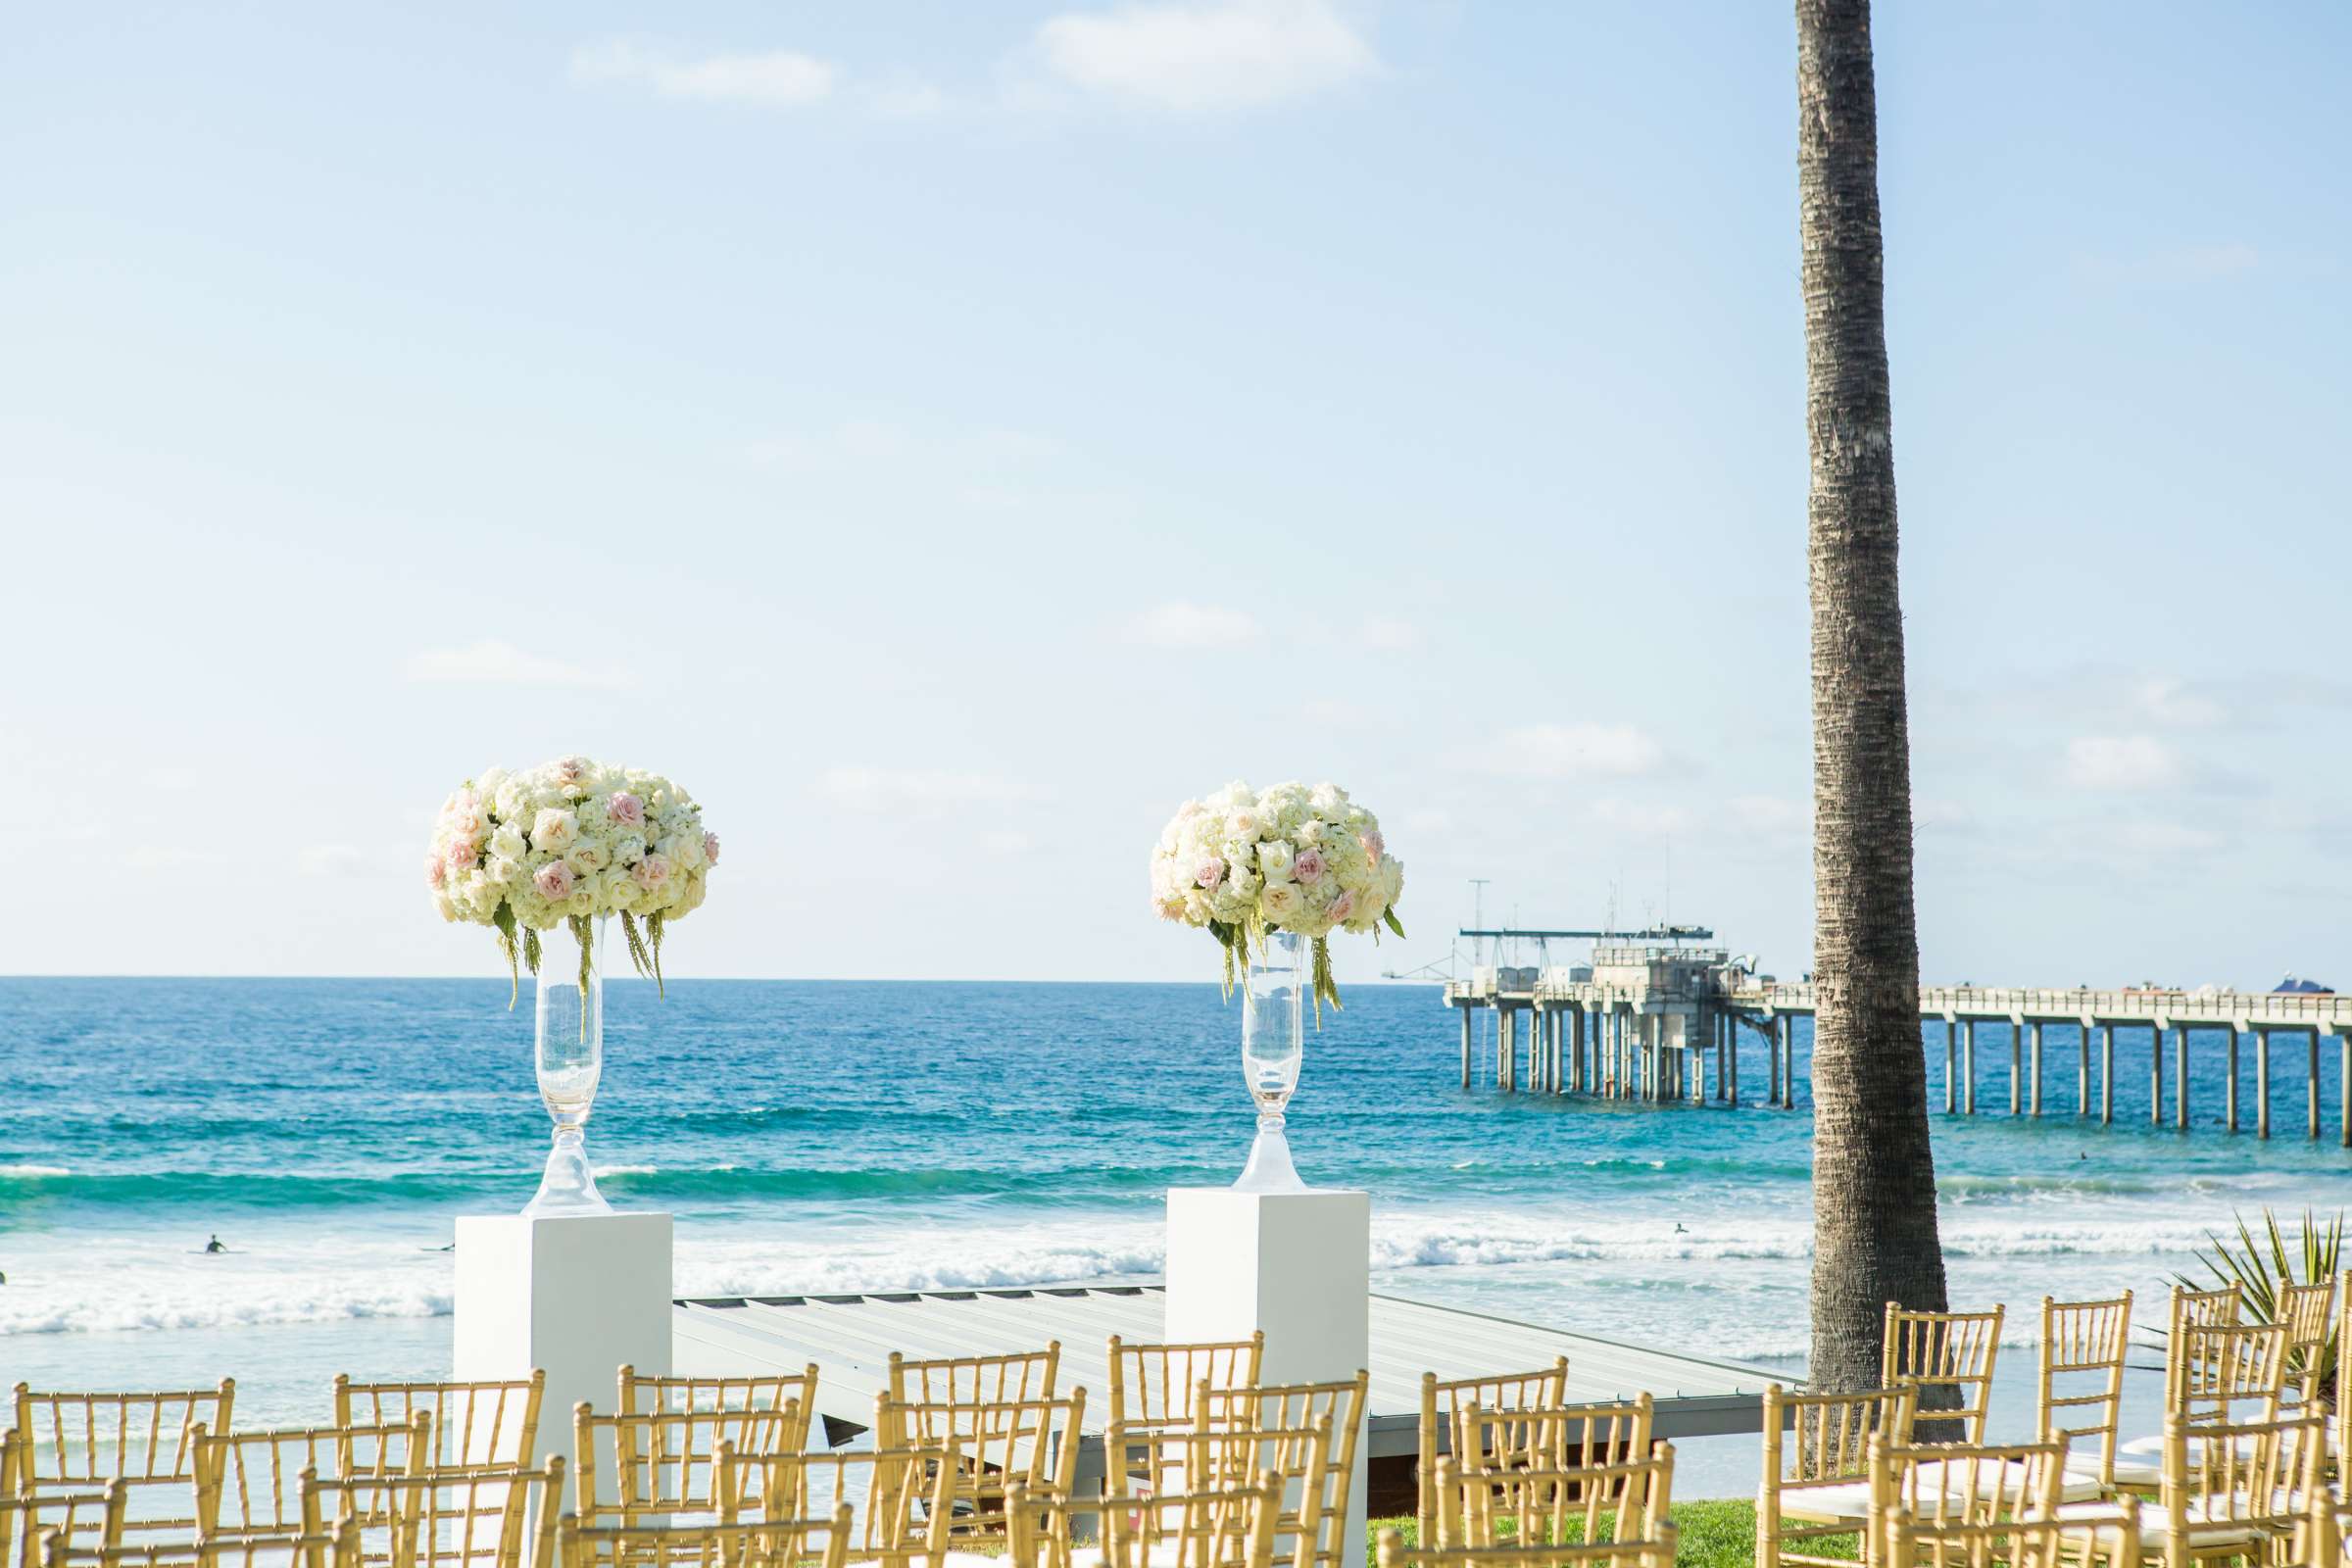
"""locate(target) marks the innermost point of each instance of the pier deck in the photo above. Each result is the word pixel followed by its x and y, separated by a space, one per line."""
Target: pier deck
pixel 1644 1024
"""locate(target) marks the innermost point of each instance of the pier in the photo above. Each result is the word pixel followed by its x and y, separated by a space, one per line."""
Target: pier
pixel 1655 1018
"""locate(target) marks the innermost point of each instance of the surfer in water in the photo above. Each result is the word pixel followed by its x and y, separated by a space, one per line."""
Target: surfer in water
pixel 214 1245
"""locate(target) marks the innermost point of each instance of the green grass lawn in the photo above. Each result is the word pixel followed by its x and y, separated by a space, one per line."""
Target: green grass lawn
pixel 1712 1535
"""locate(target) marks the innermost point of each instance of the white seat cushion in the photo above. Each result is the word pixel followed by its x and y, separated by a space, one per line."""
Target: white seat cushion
pixel 1847 1500
pixel 2084 1469
pixel 2155 1520
pixel 1931 1475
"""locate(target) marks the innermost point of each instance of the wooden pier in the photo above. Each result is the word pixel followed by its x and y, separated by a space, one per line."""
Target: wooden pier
pixel 1647 1022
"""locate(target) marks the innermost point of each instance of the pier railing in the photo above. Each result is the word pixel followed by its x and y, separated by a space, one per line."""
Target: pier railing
pixel 2245 1010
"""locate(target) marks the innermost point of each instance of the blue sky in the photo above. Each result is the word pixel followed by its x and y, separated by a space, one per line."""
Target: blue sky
pixel 945 437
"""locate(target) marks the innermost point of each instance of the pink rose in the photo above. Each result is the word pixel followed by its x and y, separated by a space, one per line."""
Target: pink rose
pixel 436 872
pixel 1342 906
pixel 1307 864
pixel 1211 871
pixel 651 872
pixel 571 771
pixel 625 808
pixel 554 881
pixel 1374 846
pixel 462 855
pixel 710 848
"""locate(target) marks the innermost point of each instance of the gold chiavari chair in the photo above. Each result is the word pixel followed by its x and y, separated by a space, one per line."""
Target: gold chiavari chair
pixel 1152 1392
pixel 2012 1543
pixel 1655 1552
pixel 902 1501
pixel 1964 1482
pixel 2198 1309
pixel 7 1456
pixel 975 1379
pixel 1441 1404
pixel 631 1470
pixel 2082 1350
pixel 997 1442
pixel 642 1394
pixel 1298 1407
pixel 1937 1350
pixel 335 1548
pixel 249 1483
pixel 78 1441
pixel 1231 1527
pixel 1816 1475
pixel 1559 1438
pixel 1508 1507
pixel 2308 1315
pixel 475 1519
pixel 2214 1372
pixel 80 1518
pixel 761 1543
pixel 1302 1464
pixel 2232 1489
pixel 477 1423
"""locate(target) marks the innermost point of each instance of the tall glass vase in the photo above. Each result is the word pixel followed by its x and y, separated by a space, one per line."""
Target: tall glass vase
pixel 570 1057
pixel 1273 1042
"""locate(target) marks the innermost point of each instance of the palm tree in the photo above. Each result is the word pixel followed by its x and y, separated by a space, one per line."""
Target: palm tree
pixel 1874 1173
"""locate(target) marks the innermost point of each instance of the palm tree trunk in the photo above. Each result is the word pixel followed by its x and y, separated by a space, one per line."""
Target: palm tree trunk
pixel 1874 1173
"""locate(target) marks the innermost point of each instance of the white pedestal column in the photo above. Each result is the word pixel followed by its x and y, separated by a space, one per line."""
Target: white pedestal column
pixel 1296 1265
pixel 576 1294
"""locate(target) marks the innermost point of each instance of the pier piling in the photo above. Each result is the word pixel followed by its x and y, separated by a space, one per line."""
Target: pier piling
pixel 1952 1064
pixel 2230 1094
pixel 2313 1096
pixel 2035 1082
pixel 2156 1075
pixel 2262 1083
pixel 2106 1075
pixel 1968 1080
pixel 2082 1072
pixel 1466 1025
pixel 2180 1077
pixel 2016 1067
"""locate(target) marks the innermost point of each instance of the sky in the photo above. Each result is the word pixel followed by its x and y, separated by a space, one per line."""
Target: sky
pixel 946 437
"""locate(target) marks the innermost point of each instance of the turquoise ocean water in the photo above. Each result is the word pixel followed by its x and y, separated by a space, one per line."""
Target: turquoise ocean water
pixel 833 1135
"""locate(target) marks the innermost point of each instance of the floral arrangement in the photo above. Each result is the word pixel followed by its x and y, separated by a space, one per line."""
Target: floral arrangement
pixel 564 843
pixel 1308 861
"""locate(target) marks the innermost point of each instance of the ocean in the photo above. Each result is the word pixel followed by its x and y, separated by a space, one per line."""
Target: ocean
pixel 822 1135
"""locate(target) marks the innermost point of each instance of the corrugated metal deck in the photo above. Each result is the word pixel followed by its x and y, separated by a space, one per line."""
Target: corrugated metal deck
pixel 850 1336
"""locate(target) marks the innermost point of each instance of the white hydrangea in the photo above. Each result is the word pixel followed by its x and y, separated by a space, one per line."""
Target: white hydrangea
pixel 1241 862
pixel 527 852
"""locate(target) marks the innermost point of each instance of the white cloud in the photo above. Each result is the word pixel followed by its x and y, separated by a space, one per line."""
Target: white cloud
pixel 1771 813
pixel 2119 764
pixel 1201 56
pixel 917 790
pixel 1642 819
pixel 778 77
pixel 905 96
pixel 2167 701
pixel 1574 751
pixel 494 662
pixel 330 860
pixel 1180 623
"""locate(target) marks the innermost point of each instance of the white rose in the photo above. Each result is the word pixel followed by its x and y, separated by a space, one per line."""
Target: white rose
pixel 503 871
pixel 553 829
pixel 1274 860
pixel 508 842
pixel 585 857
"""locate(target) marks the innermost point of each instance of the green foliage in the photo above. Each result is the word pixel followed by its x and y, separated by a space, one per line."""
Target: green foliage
pixel 653 923
pixel 1708 1534
pixel 2262 1268
pixel 639 954
pixel 530 950
pixel 504 919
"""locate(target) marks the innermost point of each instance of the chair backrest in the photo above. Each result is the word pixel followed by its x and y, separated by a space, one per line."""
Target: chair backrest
pixel 2196 1309
pixel 2308 1315
pixel 1937 1350
pixel 2083 1344
pixel 1655 1552
pixel 642 1394
pixel 476 1423
pixel 1155 1382
pixel 1301 1463
pixel 763 1544
pixel 1559 1438
pixel 75 1441
pixel 2224 1373
pixel 1963 1483
pixel 2258 1475
pixel 1293 1407
pixel 251 1481
pixel 997 1442
pixel 93 1516
pixel 633 1469
pixel 975 1379
pixel 1441 1401
pixel 336 1549
pixel 446 1519
pixel 1230 1528
pixel 901 1499
pixel 2044 1543
pixel 1507 1507
pixel 1814 1442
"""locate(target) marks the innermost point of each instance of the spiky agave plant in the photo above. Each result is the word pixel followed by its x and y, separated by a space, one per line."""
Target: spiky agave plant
pixel 2262 1268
